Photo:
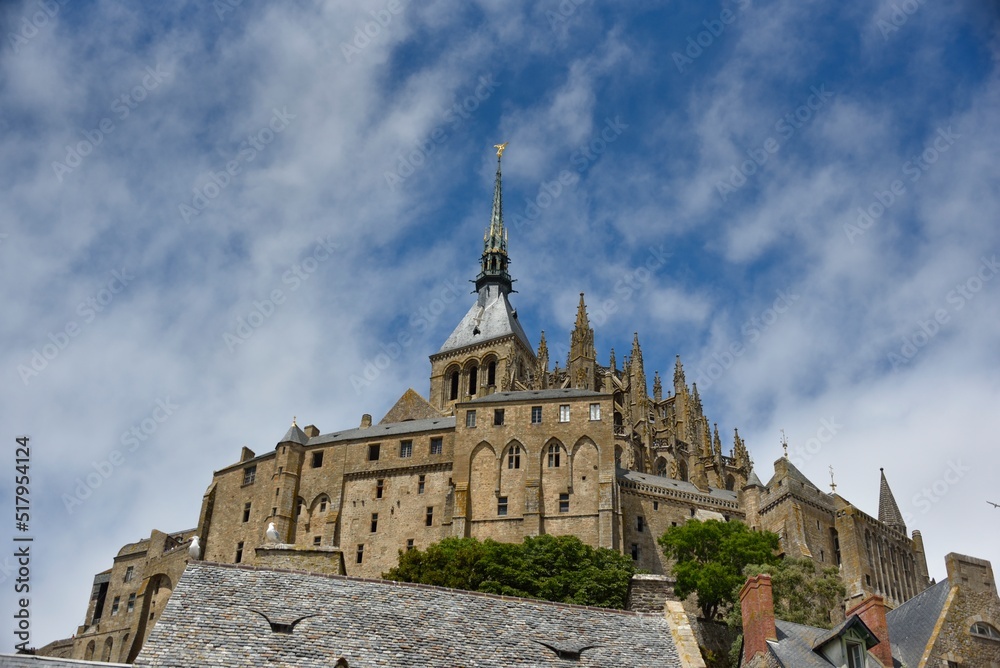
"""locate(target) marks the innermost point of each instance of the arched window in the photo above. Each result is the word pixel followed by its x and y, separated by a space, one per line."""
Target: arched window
pixel 682 470
pixel 88 655
pixel 491 373
pixel 514 457
pixel 473 380
pixel 123 654
pixel 554 452
pixel 984 630
pixel 661 467
pixel 454 385
pixel 730 482
pixel 108 646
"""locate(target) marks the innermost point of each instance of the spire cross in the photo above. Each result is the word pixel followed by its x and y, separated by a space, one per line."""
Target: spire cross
pixel 784 443
pixel 833 485
pixel 500 148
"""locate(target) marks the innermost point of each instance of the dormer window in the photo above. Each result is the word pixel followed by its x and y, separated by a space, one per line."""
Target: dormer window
pixel 855 655
pixel 984 630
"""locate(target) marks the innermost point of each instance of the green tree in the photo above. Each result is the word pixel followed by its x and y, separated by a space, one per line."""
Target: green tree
pixel 709 558
pixel 552 568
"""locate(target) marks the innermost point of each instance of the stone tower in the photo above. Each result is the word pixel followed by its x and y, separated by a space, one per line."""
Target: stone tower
pixel 488 351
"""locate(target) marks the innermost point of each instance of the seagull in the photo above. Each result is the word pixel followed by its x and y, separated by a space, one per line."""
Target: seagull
pixel 995 505
pixel 195 549
pixel 566 653
pixel 281 627
pixel 271 533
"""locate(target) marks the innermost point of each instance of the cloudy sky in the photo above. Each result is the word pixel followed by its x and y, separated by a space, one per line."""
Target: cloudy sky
pixel 221 215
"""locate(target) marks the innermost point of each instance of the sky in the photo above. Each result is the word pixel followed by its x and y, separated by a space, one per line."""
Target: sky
pixel 220 215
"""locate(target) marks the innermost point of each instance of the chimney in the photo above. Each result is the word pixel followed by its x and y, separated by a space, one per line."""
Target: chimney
pixel 872 612
pixel 246 454
pixel 757 606
pixel 312 431
pixel 366 421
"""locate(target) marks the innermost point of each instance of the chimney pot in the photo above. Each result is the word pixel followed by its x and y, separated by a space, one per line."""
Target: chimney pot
pixel 757 606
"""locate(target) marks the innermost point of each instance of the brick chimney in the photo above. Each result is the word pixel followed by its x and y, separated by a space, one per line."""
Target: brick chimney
pixel 757 606
pixel 872 612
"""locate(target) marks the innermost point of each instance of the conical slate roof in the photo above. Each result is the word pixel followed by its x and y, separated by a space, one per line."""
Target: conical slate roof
pixel 888 511
pixel 294 435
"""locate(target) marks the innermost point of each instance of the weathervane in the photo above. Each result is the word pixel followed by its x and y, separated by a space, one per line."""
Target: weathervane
pixel 784 443
pixel 833 485
pixel 500 148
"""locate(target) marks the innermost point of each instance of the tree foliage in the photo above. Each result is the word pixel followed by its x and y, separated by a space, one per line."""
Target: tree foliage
pixel 552 568
pixel 802 593
pixel 710 557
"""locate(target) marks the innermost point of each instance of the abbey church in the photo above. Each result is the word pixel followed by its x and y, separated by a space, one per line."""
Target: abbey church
pixel 506 444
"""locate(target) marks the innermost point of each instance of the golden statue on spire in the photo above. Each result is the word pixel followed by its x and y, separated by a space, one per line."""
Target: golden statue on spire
pixel 500 148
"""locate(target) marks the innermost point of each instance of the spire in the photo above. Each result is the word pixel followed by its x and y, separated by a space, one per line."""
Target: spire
pixel 581 342
pixel 612 364
pixel 888 511
pixel 493 264
pixel 657 387
pixel 680 383
pixel 542 371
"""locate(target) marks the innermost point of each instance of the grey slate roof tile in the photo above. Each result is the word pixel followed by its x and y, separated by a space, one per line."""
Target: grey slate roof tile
pixel 30 661
pixel 911 624
pixel 208 622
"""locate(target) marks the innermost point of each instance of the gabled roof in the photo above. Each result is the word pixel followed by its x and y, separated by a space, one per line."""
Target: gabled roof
pixel 410 406
pixel 798 645
pixel 215 617
pixel 912 623
pixel 491 317
pixel 30 661
pixel 388 429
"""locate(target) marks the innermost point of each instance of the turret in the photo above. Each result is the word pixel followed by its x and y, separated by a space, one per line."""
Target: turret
pixel 582 362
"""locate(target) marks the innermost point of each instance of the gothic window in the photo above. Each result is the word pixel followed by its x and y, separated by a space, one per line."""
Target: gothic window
pixel 661 467
pixel 514 457
pixel 682 470
pixel 88 655
pixel 984 630
pixel 731 483
pixel 491 373
pixel 249 474
pixel 473 380
pixel 437 445
pixel 124 650
pixel 108 646
pixel 554 452
pixel 453 395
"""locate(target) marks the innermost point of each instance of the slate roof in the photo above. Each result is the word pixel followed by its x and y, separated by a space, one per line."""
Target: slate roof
pixel 388 429
pixel 208 621
pixel 294 435
pixel 678 485
pixel 911 624
pixel 537 395
pixel 492 316
pixel 30 661
pixel 798 644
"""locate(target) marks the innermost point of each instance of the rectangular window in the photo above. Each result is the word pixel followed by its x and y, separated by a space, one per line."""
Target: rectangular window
pixel 595 411
pixel 405 449
pixel 553 458
pixel 317 459
pixel 855 655
pixel 497 417
pixel 379 488
pixel 635 551
pixel 246 512
pixel 470 419
pixel 130 606
pixel 420 483
pixel 317 540
pixel 360 554
pixel 639 523
pixel 564 503
pixel 656 505
pixel 128 574
pixel 430 516
pixel 274 511
pixel 437 445
pixel 239 553
pixel 249 474
pixel 564 413
pixel 501 506
pixel 114 606
pixel 409 544
pixel 536 415
pixel 514 457
pixel 373 452
pixel 374 522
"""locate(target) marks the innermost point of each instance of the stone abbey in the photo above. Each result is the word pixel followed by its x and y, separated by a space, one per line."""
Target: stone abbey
pixel 506 444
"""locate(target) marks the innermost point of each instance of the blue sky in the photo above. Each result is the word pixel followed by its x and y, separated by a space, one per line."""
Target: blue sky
pixel 217 215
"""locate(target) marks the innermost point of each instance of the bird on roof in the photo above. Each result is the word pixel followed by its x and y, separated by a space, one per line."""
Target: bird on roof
pixel 573 654
pixel 271 533
pixel 282 627
pixel 195 549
